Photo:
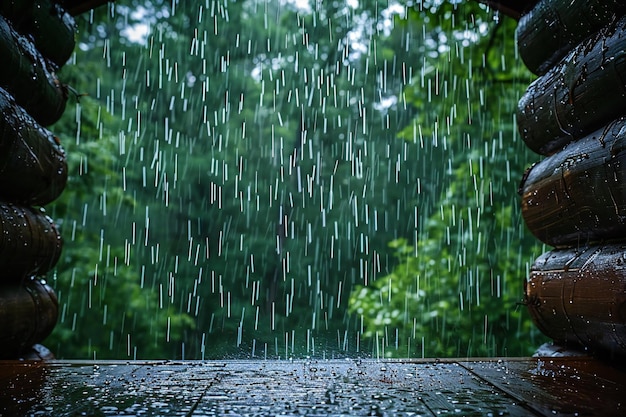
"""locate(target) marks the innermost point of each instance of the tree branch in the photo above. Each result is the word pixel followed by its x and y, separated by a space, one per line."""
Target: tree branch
pixel 511 8
pixel 76 7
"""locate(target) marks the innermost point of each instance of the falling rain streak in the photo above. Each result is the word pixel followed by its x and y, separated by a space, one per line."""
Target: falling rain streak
pixel 281 179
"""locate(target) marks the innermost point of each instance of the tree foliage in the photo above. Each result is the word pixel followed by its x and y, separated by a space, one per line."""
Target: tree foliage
pixel 239 172
pixel 456 290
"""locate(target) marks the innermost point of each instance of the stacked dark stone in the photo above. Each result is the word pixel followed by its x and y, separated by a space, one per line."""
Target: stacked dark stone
pixel 36 39
pixel 574 114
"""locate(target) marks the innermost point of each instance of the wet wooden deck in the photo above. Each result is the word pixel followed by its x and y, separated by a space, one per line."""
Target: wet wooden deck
pixel 515 387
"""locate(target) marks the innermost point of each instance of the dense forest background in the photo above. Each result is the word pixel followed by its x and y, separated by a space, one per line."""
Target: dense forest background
pixel 290 179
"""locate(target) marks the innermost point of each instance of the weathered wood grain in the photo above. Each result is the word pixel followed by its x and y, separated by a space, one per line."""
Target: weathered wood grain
pixel 49 25
pixel 554 27
pixel 578 195
pixel 585 91
pixel 578 296
pixel 570 386
pixel 499 386
pixel 26 75
pixel 30 244
pixel 28 313
pixel 33 167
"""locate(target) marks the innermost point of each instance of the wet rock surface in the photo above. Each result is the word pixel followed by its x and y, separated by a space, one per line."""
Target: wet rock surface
pixel 530 386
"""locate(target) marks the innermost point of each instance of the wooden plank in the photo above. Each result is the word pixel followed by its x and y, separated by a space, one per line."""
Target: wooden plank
pixel 584 92
pixel 365 388
pixel 23 380
pixel 555 386
pixel 558 387
pixel 578 195
pixel 578 296
pixel 554 27
pixel 341 387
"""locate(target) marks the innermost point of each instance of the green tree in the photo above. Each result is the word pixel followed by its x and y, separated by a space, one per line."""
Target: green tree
pixel 106 310
pixel 237 171
pixel 456 290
